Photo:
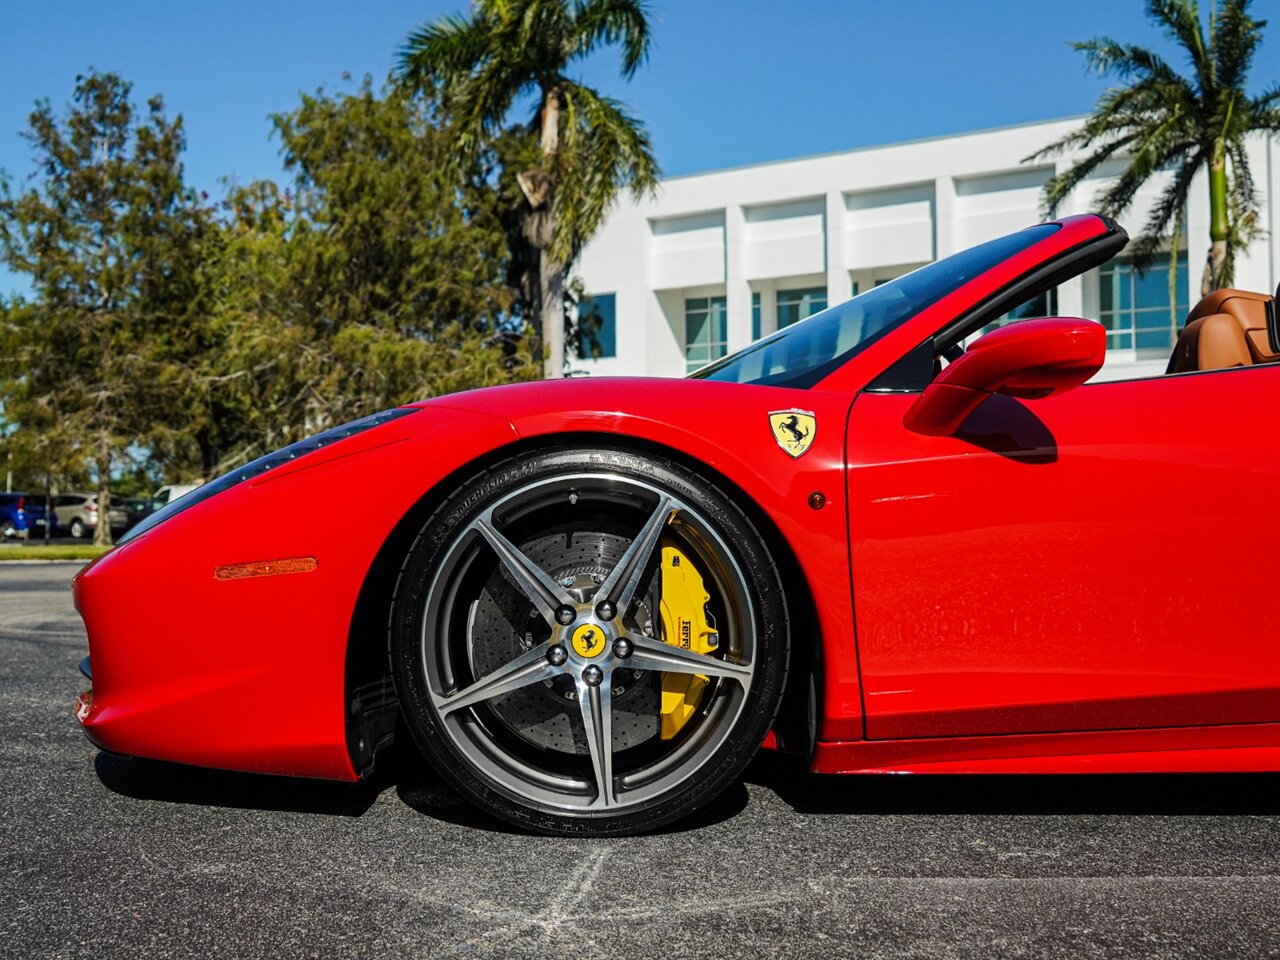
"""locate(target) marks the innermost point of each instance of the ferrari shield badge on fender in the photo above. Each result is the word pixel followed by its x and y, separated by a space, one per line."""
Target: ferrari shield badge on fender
pixel 793 429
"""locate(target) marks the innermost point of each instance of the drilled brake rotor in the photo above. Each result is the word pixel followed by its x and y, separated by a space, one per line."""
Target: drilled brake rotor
pixel 503 624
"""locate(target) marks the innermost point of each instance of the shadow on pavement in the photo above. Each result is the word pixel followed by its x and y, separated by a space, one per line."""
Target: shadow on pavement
pixel 1183 794
pixel 175 783
pixel 418 787
pixel 415 783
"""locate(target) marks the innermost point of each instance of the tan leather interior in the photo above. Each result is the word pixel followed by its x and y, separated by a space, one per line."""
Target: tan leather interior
pixel 1228 328
pixel 1215 342
pixel 1249 310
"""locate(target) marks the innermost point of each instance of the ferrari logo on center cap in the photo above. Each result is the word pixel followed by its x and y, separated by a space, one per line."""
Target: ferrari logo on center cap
pixel 588 640
pixel 793 429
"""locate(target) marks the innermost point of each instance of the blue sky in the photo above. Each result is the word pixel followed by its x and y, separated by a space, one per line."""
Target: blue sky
pixel 729 81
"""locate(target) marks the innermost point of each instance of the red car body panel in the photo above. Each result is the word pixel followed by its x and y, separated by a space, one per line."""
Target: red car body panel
pixel 1242 748
pixel 726 427
pixel 1086 562
pixel 956 637
pixel 250 674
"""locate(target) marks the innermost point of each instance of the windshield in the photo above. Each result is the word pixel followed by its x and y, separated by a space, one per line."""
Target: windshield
pixel 802 354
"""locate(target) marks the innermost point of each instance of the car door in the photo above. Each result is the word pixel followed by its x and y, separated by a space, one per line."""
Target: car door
pixel 1098 560
pixel 61 510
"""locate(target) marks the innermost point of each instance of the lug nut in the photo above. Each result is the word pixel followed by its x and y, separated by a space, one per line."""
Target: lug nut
pixel 557 655
pixel 605 610
pixel 622 648
pixel 593 675
pixel 565 615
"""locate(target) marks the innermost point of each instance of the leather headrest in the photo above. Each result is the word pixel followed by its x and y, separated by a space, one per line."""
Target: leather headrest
pixel 1249 310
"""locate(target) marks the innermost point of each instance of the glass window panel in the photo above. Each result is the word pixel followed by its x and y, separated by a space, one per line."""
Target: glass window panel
pixel 597 327
pixel 1135 306
pixel 755 316
pixel 1151 288
pixel 795 305
pixel 805 353
pixel 706 325
pixel 719 320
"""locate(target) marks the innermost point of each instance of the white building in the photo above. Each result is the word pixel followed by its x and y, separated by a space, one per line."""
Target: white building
pixel 718 259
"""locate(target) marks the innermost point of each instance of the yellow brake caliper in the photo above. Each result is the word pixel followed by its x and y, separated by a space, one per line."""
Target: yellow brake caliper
pixel 684 624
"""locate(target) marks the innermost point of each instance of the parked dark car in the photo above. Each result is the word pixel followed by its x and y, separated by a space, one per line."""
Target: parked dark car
pixel 135 508
pixel 22 514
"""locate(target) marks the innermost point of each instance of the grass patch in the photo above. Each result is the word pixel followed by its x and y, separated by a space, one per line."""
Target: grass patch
pixel 39 551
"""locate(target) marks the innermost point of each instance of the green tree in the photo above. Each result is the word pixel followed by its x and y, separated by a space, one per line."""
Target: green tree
pixel 1160 119
pixel 377 278
pixel 588 147
pixel 37 453
pixel 105 238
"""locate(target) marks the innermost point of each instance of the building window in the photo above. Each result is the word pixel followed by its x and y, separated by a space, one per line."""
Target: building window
pixel 597 327
pixel 1134 307
pixel 706 331
pixel 755 316
pixel 795 305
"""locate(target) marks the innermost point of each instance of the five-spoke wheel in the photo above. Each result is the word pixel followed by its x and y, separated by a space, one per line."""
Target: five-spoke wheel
pixel 533 648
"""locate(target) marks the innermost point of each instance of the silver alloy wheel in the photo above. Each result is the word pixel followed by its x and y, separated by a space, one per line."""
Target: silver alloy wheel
pixel 463 703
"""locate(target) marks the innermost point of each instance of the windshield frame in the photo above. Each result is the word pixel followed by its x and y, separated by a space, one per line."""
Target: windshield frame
pixel 938 286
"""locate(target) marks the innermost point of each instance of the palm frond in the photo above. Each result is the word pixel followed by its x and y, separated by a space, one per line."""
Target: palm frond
pixel 1270 97
pixel 1106 56
pixel 1173 200
pixel 1180 21
pixel 1264 111
pixel 1154 151
pixel 538 31
pixel 442 51
pixel 469 66
pixel 606 150
pixel 1235 40
pixel 1060 185
pixel 605 22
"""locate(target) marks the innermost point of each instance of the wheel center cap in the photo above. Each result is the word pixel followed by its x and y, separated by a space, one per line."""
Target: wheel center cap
pixel 588 640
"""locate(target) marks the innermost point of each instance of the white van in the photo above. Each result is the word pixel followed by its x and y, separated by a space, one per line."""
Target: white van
pixel 170 493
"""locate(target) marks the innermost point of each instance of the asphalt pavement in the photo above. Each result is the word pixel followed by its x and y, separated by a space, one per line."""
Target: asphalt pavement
pixel 110 858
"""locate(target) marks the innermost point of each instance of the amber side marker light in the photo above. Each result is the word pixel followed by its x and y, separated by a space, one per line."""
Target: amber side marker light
pixel 265 568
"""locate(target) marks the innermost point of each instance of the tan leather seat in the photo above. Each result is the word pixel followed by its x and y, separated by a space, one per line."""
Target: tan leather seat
pixel 1228 328
pixel 1249 310
pixel 1215 342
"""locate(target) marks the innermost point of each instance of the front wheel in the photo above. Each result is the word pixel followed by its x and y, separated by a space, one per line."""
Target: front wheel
pixel 589 642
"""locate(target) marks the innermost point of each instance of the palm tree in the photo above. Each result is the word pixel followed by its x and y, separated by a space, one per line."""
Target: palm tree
pixel 1163 120
pixel 589 148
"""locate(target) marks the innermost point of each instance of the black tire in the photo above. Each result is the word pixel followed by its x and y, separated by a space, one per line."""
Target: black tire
pixel 78 530
pixel 557 506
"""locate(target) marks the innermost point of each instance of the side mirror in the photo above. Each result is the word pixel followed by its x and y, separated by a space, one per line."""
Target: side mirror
pixel 1031 359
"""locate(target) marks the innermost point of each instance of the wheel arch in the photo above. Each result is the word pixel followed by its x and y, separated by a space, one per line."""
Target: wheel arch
pixel 372 706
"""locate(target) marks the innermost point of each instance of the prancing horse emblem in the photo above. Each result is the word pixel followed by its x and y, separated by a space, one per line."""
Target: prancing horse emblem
pixel 587 640
pixel 793 429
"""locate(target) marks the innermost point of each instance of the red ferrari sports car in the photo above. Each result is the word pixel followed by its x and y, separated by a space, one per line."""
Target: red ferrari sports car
pixel 589 602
